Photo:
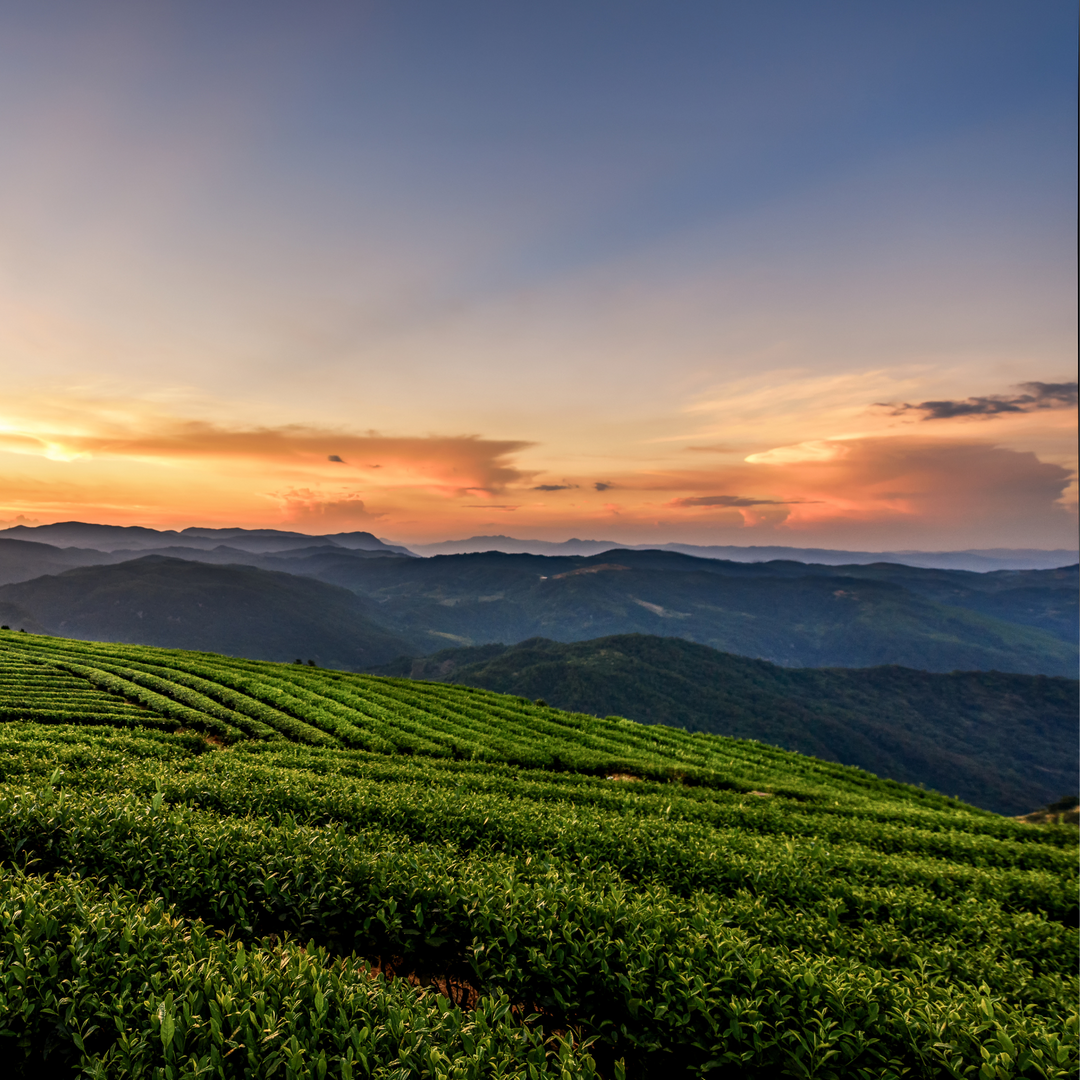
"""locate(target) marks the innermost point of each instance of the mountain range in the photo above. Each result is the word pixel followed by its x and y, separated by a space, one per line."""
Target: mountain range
pixel 978 559
pixel 787 612
pixel 130 538
pixel 752 649
pixel 138 538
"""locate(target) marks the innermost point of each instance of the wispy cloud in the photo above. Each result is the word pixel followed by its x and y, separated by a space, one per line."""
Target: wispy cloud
pixel 1032 396
pixel 137 431
pixel 731 501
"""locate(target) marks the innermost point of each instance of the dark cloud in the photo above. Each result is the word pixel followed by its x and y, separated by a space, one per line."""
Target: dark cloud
pixel 554 487
pixel 1034 395
pixel 730 500
pixel 334 457
pixel 601 486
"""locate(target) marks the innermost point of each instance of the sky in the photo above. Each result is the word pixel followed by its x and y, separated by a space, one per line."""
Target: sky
pixel 766 272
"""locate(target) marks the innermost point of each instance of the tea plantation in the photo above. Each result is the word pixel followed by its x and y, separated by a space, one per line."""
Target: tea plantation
pixel 226 868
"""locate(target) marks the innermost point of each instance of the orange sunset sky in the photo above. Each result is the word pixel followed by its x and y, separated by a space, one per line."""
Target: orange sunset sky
pixel 725 273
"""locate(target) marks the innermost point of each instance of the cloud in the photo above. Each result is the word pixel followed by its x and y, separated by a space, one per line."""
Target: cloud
pixel 881 491
pixel 147 462
pixel 731 501
pixel 972 487
pixel 305 506
pixel 817 450
pixel 1034 395
pixel 72 429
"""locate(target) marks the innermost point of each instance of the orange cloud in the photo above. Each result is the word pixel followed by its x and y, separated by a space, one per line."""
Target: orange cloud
pixel 945 482
pixel 450 464
pixel 875 485
pixel 312 509
pixel 729 501
pixel 133 462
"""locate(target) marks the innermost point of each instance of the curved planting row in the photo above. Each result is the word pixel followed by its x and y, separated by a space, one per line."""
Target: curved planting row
pixel 571 925
pixel 237 699
pixel 43 693
pixel 232 700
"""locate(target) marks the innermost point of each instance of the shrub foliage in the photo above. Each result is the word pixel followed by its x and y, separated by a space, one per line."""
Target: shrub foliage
pixel 219 868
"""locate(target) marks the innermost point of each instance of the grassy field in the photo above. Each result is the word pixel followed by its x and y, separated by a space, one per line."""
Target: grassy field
pixel 217 867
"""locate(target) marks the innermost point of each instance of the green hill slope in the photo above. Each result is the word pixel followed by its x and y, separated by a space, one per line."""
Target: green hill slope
pixel 1004 742
pixel 239 610
pixel 234 868
pixel 788 613
pixel 1046 599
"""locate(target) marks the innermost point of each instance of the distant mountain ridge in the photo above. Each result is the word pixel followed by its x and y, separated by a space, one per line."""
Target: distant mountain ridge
pixel 131 538
pixel 979 560
pixel 1004 742
pixel 67 534
pixel 23 560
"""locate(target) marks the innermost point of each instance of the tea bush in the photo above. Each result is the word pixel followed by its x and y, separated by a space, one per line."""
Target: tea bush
pixel 218 867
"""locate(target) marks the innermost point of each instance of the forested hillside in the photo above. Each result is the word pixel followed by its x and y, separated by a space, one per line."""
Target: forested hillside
pixel 233 609
pixel 788 613
pixel 1005 742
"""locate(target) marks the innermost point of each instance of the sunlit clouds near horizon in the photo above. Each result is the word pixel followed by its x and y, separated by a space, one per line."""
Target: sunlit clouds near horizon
pixel 714 273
